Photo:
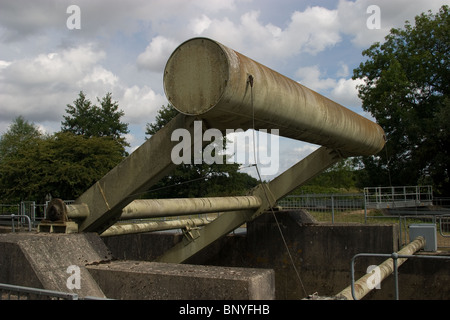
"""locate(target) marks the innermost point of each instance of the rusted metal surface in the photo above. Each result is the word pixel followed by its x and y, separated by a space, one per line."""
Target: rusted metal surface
pixel 386 268
pixel 205 78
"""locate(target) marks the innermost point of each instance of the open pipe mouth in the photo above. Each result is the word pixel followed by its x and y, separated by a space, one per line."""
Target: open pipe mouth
pixel 207 79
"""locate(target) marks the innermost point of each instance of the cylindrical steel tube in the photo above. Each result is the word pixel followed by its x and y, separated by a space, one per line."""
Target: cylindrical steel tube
pixel 155 208
pixel 361 286
pixel 152 208
pixel 230 91
pixel 149 226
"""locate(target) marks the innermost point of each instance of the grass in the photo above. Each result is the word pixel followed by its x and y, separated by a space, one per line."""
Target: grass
pixel 353 216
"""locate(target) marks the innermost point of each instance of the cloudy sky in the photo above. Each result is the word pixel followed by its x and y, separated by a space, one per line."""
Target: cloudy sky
pixel 122 47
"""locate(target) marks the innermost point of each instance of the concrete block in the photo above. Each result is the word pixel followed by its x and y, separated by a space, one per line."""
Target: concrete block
pixel 144 280
pixel 45 261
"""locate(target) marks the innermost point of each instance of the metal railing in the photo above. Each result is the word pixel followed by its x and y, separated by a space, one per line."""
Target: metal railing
pixel 398 196
pixel 13 292
pixel 395 256
pixel 442 223
pixel 325 203
pixel 19 218
pixel 26 212
pixel 353 208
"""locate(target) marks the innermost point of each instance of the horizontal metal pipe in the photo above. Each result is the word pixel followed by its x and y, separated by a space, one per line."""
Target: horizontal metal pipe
pixel 361 287
pixel 149 226
pixel 231 91
pixel 77 211
pixel 155 208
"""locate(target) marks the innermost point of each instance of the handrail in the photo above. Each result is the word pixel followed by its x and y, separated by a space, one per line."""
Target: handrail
pixel 441 232
pixel 37 291
pixel 12 216
pixel 395 256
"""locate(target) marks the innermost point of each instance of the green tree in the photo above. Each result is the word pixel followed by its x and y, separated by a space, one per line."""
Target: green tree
pixel 63 165
pixel 339 178
pixel 197 180
pixel 70 163
pixel 17 144
pixel 406 88
pixel 20 132
pixel 84 118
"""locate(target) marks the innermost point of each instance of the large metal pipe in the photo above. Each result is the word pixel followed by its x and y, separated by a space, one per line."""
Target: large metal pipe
pixel 362 288
pixel 187 206
pixel 149 226
pixel 156 208
pixel 203 77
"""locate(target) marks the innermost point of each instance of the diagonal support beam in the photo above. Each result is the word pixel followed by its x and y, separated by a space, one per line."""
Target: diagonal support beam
pixel 270 193
pixel 137 173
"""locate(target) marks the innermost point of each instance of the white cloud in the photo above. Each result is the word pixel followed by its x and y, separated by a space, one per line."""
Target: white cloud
pixel 52 80
pixel 341 90
pixel 100 76
pixel 45 69
pixel 4 64
pixel 43 65
pixel 310 31
pixel 155 55
pixel 353 15
pixel 140 103
pixel 199 25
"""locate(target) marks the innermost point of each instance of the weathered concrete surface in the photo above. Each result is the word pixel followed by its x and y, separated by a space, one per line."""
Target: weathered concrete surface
pixel 42 260
pixel 140 280
pixel 321 252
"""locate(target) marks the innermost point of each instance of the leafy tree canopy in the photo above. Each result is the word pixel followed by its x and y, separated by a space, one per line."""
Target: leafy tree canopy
pixel 84 118
pixel 406 88
pixel 197 180
pixel 66 163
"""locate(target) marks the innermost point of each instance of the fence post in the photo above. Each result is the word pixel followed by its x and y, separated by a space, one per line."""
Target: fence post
pixel 12 223
pixel 332 209
pixel 365 209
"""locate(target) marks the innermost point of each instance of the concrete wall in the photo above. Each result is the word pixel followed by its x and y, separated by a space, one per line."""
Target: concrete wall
pixel 321 253
pixel 42 260
pixel 161 281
